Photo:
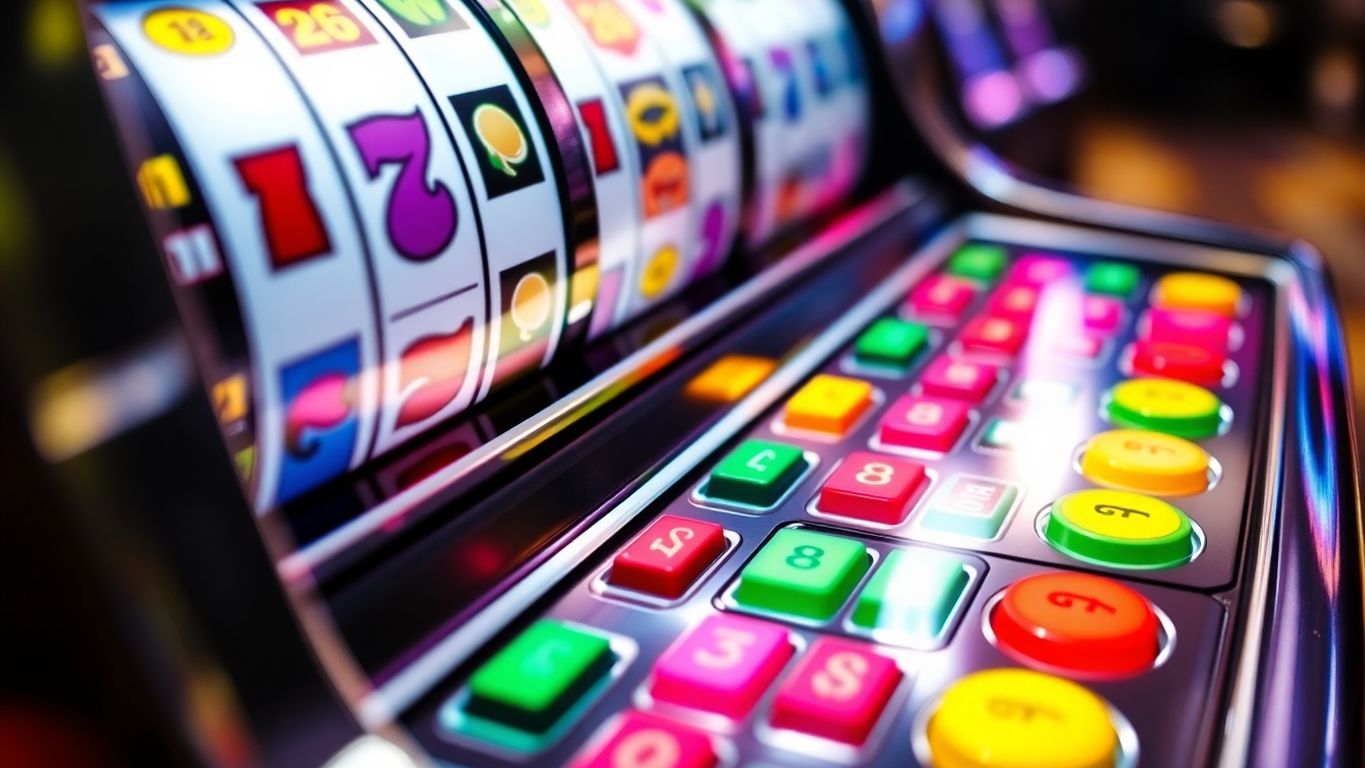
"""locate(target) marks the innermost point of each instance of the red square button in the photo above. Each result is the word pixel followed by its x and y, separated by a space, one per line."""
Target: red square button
pixel 994 334
pixel 1206 330
pixel 869 486
pixel 923 422
pixel 1039 269
pixel 1016 301
pixel 641 741
pixel 959 379
pixel 1102 314
pixel 723 665
pixel 942 296
pixel 668 556
pixel 837 691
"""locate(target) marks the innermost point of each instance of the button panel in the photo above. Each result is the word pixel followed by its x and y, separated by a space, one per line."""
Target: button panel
pixel 723 666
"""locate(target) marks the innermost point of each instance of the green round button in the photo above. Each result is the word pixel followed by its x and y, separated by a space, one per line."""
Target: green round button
pixel 1120 529
pixel 1165 405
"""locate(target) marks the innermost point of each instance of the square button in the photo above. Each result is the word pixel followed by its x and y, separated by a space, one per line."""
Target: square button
pixel 536 678
pixel 872 487
pixel 723 665
pixel 730 378
pixel 995 335
pixel 924 423
pixel 959 379
pixel 1101 314
pixel 890 341
pixel 942 296
pixel 838 691
pixel 1045 392
pixel 1001 435
pixel 1077 346
pixel 911 596
pixel 641 741
pixel 1112 278
pixel 756 473
pixel 1039 269
pixel 802 573
pixel 970 506
pixel 978 261
pixel 1015 301
pixel 670 555
pixel 828 404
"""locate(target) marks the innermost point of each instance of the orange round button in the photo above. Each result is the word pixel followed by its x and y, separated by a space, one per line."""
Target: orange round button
pixel 1078 622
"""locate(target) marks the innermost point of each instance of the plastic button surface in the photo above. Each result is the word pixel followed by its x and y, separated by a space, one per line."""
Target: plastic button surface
pixel 1165 405
pixel 828 404
pixel 671 553
pixel 756 472
pixel 724 665
pixel 1120 529
pixel 837 691
pixel 641 741
pixel 1196 290
pixel 534 680
pixel 890 341
pixel 802 573
pixel 1176 360
pixel 873 487
pixel 1142 460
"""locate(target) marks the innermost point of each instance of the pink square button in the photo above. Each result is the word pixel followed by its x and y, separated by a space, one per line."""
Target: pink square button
pixel 1015 301
pixel 1039 269
pixel 1206 330
pixel 641 740
pixel 993 334
pixel 1102 314
pixel 838 691
pixel 723 665
pixel 1078 346
pixel 942 296
pixel 960 379
pixel 923 422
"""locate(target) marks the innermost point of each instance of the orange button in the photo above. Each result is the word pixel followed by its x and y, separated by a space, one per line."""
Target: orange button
pixel 1078 622
pixel 730 378
pixel 828 404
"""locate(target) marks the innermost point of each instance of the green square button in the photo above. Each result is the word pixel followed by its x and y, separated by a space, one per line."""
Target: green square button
pixel 978 261
pixel 970 506
pixel 1111 277
pixel 537 677
pixel 890 341
pixel 756 473
pixel 802 573
pixel 912 595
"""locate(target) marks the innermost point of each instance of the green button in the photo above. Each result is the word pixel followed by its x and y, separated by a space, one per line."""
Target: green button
pixel 1165 405
pixel 802 573
pixel 978 261
pixel 1002 435
pixel 1120 528
pixel 756 473
pixel 891 341
pixel 970 506
pixel 912 595
pixel 1112 278
pixel 533 681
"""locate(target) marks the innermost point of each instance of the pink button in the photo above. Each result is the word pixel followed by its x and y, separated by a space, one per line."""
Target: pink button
pixel 960 379
pixel 1078 346
pixel 1039 269
pixel 723 665
pixel 942 296
pixel 837 691
pixel 923 422
pixel 1015 301
pixel 1102 314
pixel 870 486
pixel 1207 330
pixel 639 740
pixel 996 335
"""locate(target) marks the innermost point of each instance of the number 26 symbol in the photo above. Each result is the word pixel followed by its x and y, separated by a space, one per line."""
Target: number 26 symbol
pixel 421 216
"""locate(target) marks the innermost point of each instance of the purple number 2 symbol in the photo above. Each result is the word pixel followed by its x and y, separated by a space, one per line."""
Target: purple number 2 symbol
pixel 421 218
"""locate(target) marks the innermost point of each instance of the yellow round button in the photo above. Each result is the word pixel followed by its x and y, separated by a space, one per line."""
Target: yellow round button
pixel 1150 462
pixel 1121 529
pixel 1166 405
pixel 1018 718
pixel 1195 290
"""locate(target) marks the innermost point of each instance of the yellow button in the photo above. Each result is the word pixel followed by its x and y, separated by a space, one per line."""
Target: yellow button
pixel 829 404
pixel 730 378
pixel 1166 405
pixel 1120 529
pixel 1150 462
pixel 1021 718
pixel 1195 290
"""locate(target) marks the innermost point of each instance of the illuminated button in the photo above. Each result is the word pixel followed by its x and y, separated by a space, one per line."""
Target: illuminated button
pixel 757 472
pixel 537 677
pixel 1044 392
pixel 869 486
pixel 924 423
pixel 959 379
pixel 1078 622
pixel 1011 718
pixel 1101 314
pixel 890 341
pixel 912 595
pixel 670 555
pixel 970 506
pixel 730 378
pixel 1120 528
pixel 996 335
pixel 838 691
pixel 1077 346
pixel 641 741
pixel 978 261
pixel 828 404
pixel 1002 435
pixel 942 296
pixel 1165 405
pixel 1178 361
pixel 1039 269
pixel 1195 327
pixel 1111 278
pixel 1146 461
pixel 1015 301
pixel 802 573
pixel 723 665
pixel 1195 290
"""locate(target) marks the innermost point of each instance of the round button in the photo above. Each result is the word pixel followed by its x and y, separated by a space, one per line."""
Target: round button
pixel 1017 718
pixel 1079 622
pixel 1141 460
pixel 1178 361
pixel 1195 290
pixel 1174 407
pixel 1120 529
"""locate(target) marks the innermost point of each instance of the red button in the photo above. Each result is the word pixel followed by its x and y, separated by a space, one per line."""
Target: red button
pixel 723 665
pixel 641 741
pixel 1078 346
pixel 1038 269
pixel 1015 301
pixel 668 556
pixel 942 296
pixel 1178 361
pixel 926 423
pixel 1198 328
pixel 869 486
pixel 837 691
pixel 1102 314
pixel 993 334
pixel 960 379
pixel 1079 622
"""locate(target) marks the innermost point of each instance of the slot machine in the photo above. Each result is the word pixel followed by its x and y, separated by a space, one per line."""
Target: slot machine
pixel 656 383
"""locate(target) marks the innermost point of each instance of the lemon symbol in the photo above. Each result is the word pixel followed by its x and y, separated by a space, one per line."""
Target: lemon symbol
pixel 501 137
pixel 531 304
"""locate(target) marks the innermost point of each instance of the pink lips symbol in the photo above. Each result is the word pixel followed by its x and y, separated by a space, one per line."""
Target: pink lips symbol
pixel 325 403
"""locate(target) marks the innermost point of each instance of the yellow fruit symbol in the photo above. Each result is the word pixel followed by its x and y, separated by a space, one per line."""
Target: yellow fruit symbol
pixel 188 31
pixel 659 272
pixel 501 137
pixel 531 304
pixel 652 113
